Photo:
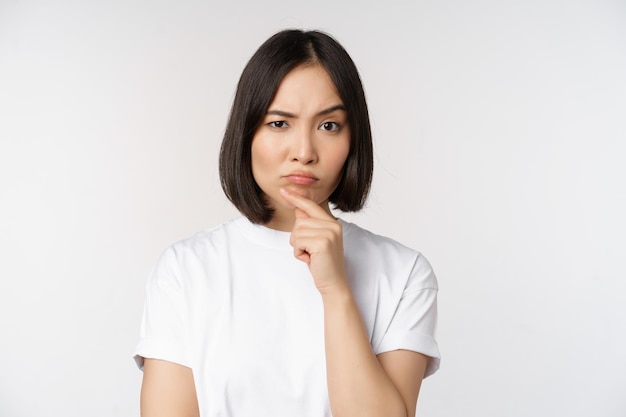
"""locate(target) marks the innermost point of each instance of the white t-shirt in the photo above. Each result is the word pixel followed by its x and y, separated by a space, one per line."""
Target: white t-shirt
pixel 234 305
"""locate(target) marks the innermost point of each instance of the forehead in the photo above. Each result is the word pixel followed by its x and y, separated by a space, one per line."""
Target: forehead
pixel 306 88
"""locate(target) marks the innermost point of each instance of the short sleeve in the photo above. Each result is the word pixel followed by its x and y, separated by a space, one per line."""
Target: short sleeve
pixel 414 322
pixel 164 327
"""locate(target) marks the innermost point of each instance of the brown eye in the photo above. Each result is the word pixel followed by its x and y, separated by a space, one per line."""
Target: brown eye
pixel 330 126
pixel 279 124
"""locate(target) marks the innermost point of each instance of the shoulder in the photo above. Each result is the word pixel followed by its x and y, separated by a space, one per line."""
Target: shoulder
pixel 360 237
pixel 204 246
pixel 206 240
pixel 386 255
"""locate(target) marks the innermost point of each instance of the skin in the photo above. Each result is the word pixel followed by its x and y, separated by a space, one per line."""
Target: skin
pixel 297 157
pixel 302 143
pixel 359 382
pixel 167 390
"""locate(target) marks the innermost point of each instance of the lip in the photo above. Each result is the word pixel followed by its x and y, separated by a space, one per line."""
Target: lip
pixel 301 178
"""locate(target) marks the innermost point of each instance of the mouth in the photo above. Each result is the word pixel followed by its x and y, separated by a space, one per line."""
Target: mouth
pixel 301 178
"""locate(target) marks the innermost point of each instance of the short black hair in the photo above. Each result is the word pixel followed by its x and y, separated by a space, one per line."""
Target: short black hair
pixel 256 89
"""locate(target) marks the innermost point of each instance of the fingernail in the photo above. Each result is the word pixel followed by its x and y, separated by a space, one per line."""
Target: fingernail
pixel 283 191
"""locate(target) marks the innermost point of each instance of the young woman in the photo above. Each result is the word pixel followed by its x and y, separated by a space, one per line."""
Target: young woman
pixel 288 311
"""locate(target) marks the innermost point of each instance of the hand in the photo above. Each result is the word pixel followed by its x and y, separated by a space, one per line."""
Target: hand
pixel 317 240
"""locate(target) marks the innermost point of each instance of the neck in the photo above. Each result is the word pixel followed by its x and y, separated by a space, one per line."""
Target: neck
pixel 283 223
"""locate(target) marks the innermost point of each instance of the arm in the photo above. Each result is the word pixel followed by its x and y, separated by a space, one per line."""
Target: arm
pixel 406 370
pixel 359 383
pixel 167 390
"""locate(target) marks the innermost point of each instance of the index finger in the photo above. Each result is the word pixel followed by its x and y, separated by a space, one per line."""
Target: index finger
pixel 310 207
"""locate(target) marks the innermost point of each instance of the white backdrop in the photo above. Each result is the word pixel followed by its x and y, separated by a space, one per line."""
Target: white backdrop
pixel 500 145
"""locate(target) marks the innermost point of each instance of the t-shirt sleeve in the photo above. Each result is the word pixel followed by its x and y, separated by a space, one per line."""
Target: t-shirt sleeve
pixel 414 322
pixel 164 327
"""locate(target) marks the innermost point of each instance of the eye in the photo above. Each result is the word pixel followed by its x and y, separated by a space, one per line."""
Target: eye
pixel 330 126
pixel 278 124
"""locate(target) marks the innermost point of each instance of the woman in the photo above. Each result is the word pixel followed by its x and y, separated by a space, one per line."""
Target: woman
pixel 288 311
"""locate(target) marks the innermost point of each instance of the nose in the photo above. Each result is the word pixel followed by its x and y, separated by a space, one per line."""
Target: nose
pixel 303 148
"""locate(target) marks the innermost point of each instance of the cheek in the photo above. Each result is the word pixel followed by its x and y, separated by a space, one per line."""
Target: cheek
pixel 340 156
pixel 266 144
pixel 260 154
pixel 265 160
pixel 257 163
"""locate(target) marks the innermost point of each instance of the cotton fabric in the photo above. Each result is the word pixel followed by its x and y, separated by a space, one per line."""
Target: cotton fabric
pixel 234 305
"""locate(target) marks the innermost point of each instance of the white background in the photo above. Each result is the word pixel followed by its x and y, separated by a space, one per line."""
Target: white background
pixel 500 145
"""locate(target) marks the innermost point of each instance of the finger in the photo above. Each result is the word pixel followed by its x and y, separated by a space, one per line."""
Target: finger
pixel 301 214
pixel 311 208
pixel 299 250
pixel 302 256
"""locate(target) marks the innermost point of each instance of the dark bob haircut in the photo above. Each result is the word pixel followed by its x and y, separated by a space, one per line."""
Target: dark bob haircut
pixel 257 86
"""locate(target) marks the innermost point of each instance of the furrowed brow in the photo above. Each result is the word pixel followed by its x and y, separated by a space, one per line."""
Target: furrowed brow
pixel 280 113
pixel 332 109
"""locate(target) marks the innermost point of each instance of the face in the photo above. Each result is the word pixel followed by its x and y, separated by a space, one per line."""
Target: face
pixel 303 141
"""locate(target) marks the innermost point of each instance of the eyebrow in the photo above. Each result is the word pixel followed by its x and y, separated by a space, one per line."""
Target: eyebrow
pixel 323 112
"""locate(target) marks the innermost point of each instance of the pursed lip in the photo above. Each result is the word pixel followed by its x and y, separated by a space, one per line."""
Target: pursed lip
pixel 301 178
